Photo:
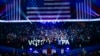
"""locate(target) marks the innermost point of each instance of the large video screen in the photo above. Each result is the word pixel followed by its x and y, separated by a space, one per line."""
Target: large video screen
pixel 52 10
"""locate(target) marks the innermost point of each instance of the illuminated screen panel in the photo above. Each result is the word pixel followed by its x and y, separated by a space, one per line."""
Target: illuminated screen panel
pixel 49 10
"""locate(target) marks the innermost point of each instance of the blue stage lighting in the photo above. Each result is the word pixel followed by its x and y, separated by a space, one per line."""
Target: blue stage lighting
pixel 30 49
pixel 67 48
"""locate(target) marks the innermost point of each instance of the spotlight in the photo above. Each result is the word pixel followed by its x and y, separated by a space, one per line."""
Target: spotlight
pixel 67 48
pixel 30 49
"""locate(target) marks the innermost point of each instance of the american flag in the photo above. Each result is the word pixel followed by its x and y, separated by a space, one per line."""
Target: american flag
pixel 48 9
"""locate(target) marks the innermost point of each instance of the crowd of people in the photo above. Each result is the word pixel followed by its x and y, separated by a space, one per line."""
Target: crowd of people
pixel 73 32
pixel 17 35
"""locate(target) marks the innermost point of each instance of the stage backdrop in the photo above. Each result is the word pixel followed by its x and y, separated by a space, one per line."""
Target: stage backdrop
pixel 63 10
